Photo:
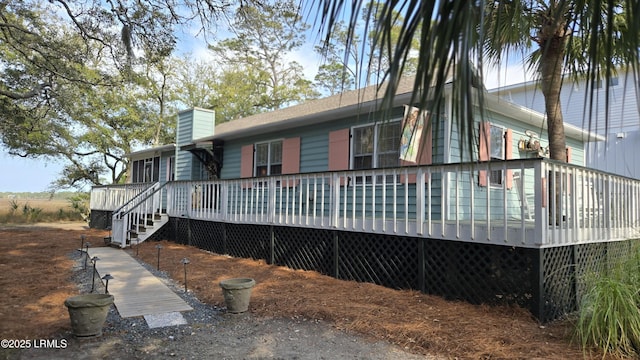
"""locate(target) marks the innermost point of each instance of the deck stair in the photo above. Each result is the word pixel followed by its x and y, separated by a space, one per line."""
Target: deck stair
pixel 139 218
pixel 143 232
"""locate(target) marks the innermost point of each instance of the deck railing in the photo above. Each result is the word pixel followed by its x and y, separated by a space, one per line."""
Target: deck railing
pixel 137 214
pixel 111 197
pixel 528 203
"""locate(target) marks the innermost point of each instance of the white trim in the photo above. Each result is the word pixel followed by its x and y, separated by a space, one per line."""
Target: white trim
pixel 376 124
pixel 255 155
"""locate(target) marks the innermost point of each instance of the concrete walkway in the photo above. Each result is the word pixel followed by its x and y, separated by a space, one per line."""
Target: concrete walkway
pixel 136 291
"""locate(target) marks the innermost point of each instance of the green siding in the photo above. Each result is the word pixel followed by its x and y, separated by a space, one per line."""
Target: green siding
pixel 192 124
pixel 314 158
pixel 497 194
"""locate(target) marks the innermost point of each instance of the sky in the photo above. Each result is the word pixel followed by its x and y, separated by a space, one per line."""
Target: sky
pixel 31 175
pixel 26 175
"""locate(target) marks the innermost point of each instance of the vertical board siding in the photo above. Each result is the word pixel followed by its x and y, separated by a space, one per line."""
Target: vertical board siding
pixel 203 123
pixel 184 159
pixel 192 124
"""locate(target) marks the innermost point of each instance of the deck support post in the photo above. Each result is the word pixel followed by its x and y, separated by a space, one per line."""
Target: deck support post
pixel 537 274
pixel 336 255
pixel 422 272
pixel 272 245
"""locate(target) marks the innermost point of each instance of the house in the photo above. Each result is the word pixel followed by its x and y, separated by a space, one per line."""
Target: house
pixel 339 186
pixel 619 122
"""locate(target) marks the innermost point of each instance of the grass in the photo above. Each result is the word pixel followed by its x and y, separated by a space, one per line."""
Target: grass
pixel 26 211
pixel 609 316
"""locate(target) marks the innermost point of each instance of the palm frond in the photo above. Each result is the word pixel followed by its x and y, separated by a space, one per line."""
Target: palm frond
pixel 457 36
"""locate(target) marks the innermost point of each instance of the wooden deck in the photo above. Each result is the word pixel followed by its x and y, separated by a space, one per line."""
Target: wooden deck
pixel 136 291
pixel 441 201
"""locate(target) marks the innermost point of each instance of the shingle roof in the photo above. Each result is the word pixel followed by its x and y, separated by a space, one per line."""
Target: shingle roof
pixel 359 101
pixel 311 111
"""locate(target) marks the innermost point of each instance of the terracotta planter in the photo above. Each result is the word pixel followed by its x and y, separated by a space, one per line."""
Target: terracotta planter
pixel 237 294
pixel 88 313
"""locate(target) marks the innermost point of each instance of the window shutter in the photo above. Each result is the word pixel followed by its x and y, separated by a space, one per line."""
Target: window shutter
pixel 291 156
pixel 508 154
pixel 246 161
pixel 483 149
pixel 291 159
pixel 425 151
pixel 339 150
pixel 426 154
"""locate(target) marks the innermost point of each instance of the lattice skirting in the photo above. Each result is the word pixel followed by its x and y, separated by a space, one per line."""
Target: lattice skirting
pixel 100 219
pixel 545 281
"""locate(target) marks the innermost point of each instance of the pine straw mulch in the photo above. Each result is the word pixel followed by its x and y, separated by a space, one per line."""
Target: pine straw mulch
pixel 35 279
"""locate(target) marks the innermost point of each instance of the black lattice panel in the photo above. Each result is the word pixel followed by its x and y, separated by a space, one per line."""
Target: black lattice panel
pixel 559 296
pixel 589 260
pixel 248 241
pixel 547 281
pixel 99 219
pixel 384 260
pixel 304 249
pixel 163 233
pixel 617 251
pixel 181 230
pixel 479 273
pixel 208 235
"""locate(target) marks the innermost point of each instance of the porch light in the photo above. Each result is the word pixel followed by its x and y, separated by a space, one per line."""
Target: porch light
pixel 93 275
pixel 158 247
pixel 106 279
pixel 184 262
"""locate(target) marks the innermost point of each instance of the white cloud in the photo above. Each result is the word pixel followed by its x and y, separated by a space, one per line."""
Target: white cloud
pixel 308 58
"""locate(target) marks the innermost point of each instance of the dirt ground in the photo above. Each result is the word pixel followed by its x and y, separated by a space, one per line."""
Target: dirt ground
pixel 35 279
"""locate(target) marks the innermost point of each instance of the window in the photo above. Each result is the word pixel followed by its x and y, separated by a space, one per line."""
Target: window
pixel 496 152
pixel 146 170
pixel 376 146
pixel 268 158
pixel 171 176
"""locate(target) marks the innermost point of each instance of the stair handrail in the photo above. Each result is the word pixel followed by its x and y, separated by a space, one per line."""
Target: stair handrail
pixel 117 212
pixel 140 201
pixel 119 232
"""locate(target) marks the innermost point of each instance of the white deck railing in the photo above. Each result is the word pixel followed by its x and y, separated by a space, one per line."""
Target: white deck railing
pixel 137 214
pixel 436 201
pixel 111 197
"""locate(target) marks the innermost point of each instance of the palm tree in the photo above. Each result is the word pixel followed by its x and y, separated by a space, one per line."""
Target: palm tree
pixel 588 39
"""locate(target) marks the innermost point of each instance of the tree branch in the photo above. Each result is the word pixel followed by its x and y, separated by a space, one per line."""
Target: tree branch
pixel 26 95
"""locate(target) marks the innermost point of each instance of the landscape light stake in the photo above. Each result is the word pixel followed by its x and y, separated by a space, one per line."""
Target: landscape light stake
pixel 106 278
pixel 86 246
pixel 158 247
pixel 137 245
pixel 82 237
pixel 93 276
pixel 184 262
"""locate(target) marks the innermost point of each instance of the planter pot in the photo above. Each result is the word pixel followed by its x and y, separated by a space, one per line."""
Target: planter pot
pixel 237 293
pixel 88 313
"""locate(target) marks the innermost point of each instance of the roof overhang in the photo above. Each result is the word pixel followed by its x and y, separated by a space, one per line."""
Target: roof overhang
pixel 534 118
pixel 152 151
pixel 365 101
